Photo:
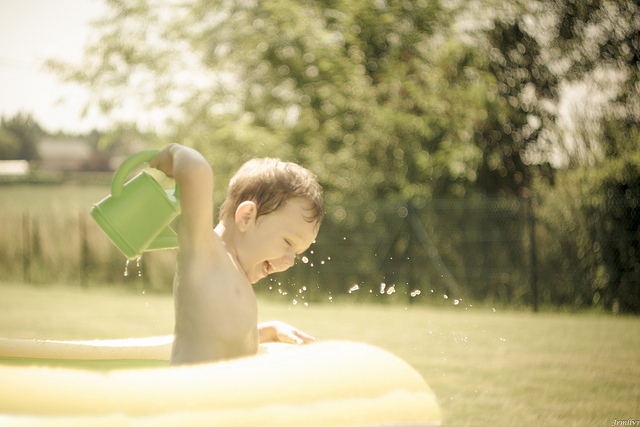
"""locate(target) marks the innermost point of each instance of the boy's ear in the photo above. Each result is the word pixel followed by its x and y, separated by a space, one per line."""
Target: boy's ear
pixel 246 214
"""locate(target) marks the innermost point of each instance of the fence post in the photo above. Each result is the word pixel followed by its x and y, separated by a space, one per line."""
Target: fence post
pixel 533 261
pixel 26 247
pixel 84 249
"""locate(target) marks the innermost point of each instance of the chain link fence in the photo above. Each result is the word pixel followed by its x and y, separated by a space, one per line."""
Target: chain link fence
pixel 510 251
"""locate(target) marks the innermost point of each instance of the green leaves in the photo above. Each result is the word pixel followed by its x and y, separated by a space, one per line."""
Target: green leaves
pixel 379 98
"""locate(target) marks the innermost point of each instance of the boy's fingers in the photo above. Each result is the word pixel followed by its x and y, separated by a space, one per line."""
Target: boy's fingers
pixel 304 338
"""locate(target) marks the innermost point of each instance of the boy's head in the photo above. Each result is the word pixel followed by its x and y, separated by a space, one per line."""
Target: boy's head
pixel 270 183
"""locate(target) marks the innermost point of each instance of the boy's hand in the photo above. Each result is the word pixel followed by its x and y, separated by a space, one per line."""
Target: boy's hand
pixel 275 331
pixel 163 161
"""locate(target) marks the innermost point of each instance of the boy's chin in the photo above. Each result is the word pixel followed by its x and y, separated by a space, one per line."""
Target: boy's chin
pixel 257 274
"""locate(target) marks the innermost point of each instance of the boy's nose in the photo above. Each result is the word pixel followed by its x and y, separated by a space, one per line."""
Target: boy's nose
pixel 283 263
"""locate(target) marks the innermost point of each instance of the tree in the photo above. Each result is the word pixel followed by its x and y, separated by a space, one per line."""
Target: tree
pixel 520 115
pixel 598 42
pixel 597 35
pixel 19 136
pixel 379 98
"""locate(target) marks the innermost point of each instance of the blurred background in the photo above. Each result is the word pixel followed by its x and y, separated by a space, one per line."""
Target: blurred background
pixel 470 151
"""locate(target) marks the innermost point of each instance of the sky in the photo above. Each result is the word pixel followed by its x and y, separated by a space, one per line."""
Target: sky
pixel 32 31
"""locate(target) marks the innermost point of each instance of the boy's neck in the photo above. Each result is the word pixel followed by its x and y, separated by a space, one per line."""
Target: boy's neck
pixel 226 234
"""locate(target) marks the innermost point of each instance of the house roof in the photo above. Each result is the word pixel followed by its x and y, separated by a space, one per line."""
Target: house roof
pixel 50 148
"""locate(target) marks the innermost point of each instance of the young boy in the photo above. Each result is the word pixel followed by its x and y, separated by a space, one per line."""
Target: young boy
pixel 271 215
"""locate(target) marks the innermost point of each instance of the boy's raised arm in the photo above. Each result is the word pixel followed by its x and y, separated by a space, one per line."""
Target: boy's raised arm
pixel 195 181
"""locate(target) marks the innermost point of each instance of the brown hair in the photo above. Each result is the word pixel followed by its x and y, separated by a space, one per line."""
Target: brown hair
pixel 269 183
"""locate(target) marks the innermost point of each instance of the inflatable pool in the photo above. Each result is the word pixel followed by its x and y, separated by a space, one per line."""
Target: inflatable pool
pixel 324 384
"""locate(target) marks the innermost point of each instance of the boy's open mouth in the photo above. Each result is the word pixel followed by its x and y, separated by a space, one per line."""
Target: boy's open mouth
pixel 266 268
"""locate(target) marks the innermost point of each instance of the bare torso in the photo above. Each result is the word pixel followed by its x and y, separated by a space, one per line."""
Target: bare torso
pixel 216 310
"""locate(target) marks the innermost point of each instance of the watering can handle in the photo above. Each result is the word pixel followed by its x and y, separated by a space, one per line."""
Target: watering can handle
pixel 129 164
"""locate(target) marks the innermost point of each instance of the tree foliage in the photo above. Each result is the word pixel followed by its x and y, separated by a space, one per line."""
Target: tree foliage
pixel 596 35
pixel 379 98
pixel 18 137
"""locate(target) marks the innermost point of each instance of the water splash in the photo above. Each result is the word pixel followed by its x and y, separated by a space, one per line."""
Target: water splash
pixel 138 269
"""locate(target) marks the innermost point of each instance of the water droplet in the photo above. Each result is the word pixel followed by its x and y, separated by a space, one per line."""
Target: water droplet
pixel 416 293
pixel 382 286
pixel 446 296
pixel 330 299
pixel 494 310
pixel 126 268
pixel 354 288
pixel 305 259
pixel 456 302
pixel 294 302
pixel 391 289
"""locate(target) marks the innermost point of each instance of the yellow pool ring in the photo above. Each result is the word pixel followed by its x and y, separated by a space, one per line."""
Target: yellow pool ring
pixel 324 384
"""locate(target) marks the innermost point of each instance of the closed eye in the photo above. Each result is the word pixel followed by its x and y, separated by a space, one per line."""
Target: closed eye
pixel 289 244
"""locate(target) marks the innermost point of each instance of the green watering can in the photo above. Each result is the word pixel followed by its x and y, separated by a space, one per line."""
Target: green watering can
pixel 136 216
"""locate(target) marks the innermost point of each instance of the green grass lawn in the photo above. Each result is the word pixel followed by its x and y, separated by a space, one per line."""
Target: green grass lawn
pixel 487 368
